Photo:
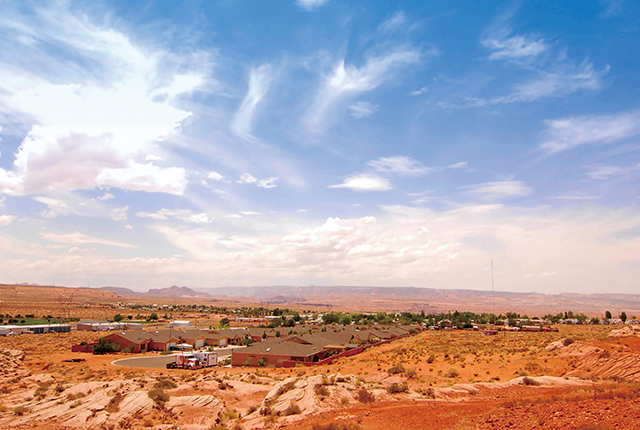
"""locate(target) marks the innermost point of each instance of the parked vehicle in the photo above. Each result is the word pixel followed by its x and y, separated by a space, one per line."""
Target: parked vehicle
pixel 195 360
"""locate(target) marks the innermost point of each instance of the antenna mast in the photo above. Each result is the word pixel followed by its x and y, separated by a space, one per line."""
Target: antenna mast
pixel 493 287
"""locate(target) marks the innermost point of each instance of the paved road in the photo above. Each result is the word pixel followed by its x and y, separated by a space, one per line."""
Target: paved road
pixel 160 361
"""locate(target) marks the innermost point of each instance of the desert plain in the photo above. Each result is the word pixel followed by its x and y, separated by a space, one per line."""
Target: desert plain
pixel 582 377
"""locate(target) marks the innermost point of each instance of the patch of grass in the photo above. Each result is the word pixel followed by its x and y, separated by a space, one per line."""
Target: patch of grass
pixel 286 387
pixel 530 381
pixel 452 373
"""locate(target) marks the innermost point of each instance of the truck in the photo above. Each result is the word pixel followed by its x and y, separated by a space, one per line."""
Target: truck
pixel 194 360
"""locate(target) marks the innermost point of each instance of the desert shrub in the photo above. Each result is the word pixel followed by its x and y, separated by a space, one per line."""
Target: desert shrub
pixel 286 387
pixel 399 368
pixel 337 426
pixel 293 409
pixel 158 396
pixel 529 381
pixel 429 392
pixel 114 403
pixel 398 388
pixel 365 396
pixel 568 341
pixel 60 388
pixel 165 384
pixel 431 358
pixel 345 400
pixel 20 410
pixel 252 409
pixel 452 373
pixel 321 390
pixel 411 373
pixel 75 396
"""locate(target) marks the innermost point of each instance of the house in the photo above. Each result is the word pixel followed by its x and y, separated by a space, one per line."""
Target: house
pixel 134 341
pixel 274 352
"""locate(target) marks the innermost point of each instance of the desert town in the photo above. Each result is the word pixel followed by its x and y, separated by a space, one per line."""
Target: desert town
pixel 267 367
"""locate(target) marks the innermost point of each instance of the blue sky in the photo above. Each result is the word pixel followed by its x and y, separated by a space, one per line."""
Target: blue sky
pixel 321 142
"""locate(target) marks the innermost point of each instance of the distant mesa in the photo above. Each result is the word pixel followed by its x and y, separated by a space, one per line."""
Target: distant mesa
pixel 121 291
pixel 175 291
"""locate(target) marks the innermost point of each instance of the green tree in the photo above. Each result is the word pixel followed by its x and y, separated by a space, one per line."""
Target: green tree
pixel 153 316
pixel 118 318
pixel 224 323
pixel 345 320
pixel 623 317
pixel 607 315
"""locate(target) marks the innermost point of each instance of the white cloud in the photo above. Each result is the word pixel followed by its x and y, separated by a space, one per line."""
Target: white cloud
pixel 399 164
pixel 364 182
pixel 181 214
pixel 215 176
pixel 499 190
pixel 399 246
pixel 247 178
pixel 268 182
pixel 362 109
pixel 554 84
pixel 569 133
pixel 311 4
pixel 515 47
pixel 2 200
pixel 119 214
pixel 106 196
pixel 346 80
pixel 248 213
pixel 93 127
pixel 5 220
pixel 602 172
pixel 259 80
pixel 395 22
pixel 55 207
pixel 419 92
pixel 577 197
pixel 460 165
pixel 82 239
pixel 129 227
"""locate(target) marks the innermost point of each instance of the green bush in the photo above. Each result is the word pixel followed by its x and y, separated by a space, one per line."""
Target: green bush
pixel 158 396
pixel 365 396
pixel 105 347
pixel 398 388
pixel 165 384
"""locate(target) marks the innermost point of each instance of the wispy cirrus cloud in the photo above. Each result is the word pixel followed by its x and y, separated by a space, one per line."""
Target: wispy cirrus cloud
pixel 311 5
pixel 346 81
pixel 401 165
pixel 515 47
pixel 364 182
pixel 247 178
pixel 500 190
pixel 568 133
pixel 82 239
pixel 180 214
pixel 362 109
pixel 259 80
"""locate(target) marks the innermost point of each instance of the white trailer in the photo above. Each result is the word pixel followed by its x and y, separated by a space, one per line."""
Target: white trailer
pixel 195 360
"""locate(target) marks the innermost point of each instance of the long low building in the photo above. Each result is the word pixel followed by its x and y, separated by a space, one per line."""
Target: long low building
pixel 9 330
